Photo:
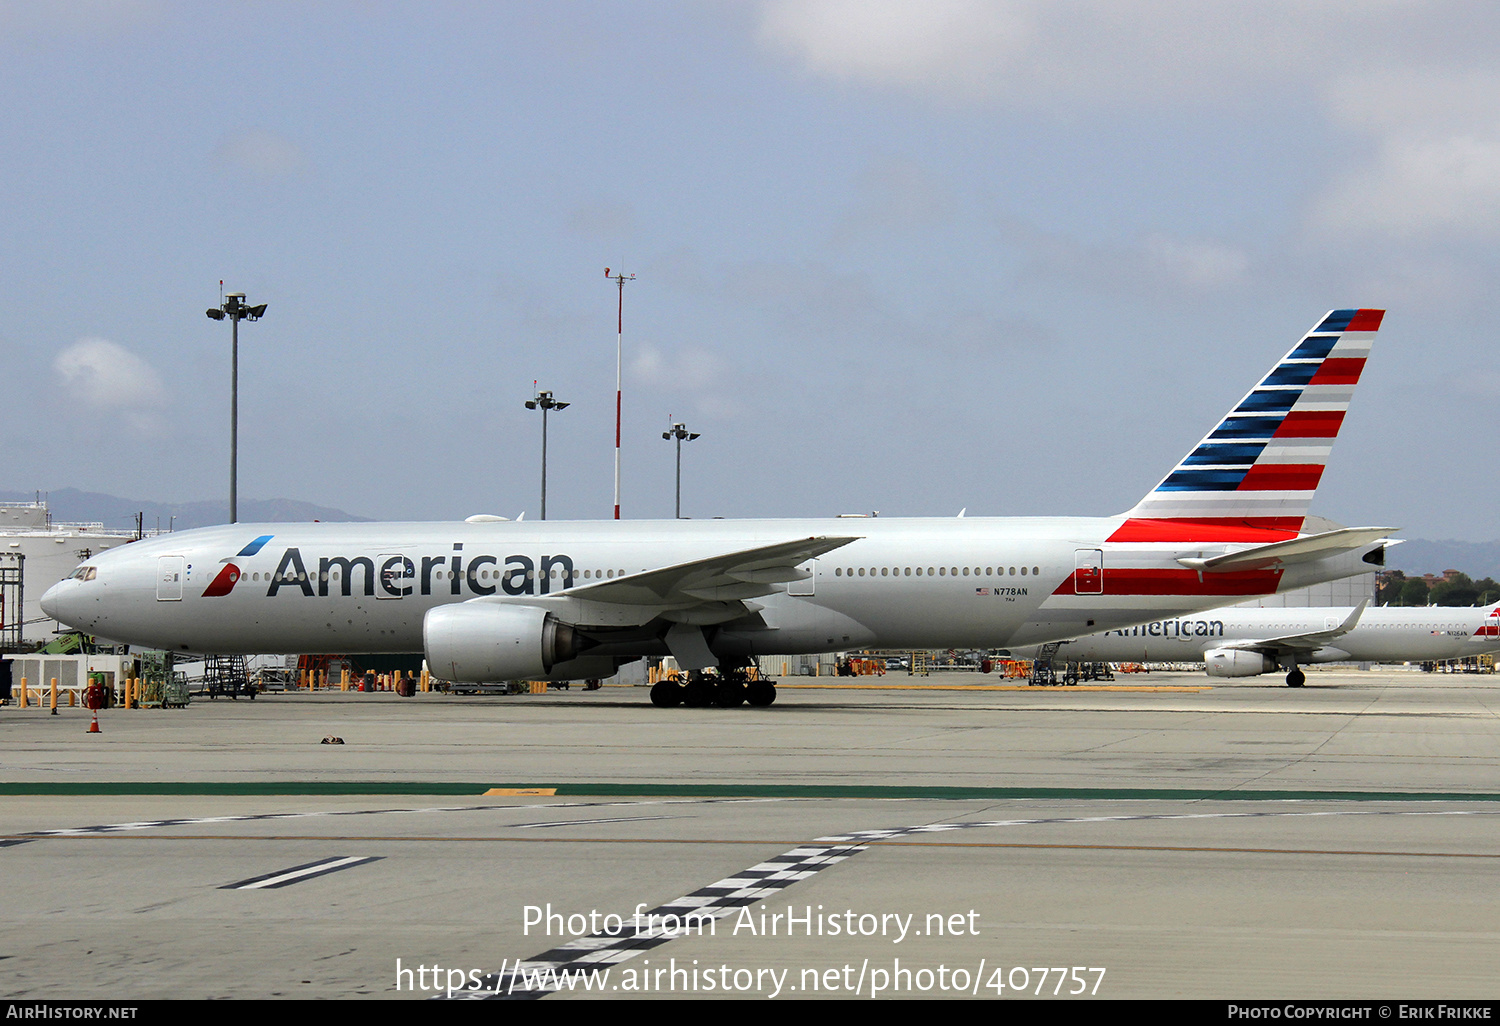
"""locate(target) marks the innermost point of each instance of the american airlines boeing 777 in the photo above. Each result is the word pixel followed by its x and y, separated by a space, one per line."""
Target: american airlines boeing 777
pixel 490 600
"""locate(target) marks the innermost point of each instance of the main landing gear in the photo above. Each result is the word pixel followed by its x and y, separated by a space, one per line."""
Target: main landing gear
pixel 731 686
pixel 1295 678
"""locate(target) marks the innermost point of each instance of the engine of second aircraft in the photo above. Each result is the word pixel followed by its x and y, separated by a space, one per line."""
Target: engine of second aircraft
pixel 1237 662
pixel 483 642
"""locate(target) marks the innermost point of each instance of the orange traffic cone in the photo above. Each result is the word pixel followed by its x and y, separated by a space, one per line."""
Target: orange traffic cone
pixel 94 725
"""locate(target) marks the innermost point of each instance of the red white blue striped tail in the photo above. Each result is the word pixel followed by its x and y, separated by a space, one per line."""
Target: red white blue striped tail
pixel 1253 477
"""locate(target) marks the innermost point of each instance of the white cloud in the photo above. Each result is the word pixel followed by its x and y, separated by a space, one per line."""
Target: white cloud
pixel 108 379
pixel 261 152
pixel 1032 53
pixel 1436 166
pixel 697 376
pixel 945 43
pixel 1416 78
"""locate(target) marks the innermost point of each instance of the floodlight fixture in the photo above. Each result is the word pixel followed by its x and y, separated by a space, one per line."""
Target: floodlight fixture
pixel 543 401
pixel 235 308
pixel 681 434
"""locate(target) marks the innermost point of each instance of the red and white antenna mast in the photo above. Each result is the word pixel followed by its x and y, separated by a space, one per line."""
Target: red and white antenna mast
pixel 620 280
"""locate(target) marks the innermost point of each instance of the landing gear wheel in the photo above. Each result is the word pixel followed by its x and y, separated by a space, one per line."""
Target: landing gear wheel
pixel 698 693
pixel 729 693
pixel 760 693
pixel 1296 679
pixel 666 693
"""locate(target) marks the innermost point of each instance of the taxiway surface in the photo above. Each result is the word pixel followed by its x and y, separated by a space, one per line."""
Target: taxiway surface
pixel 1174 838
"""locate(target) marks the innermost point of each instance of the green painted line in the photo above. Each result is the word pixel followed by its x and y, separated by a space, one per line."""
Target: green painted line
pixel 601 790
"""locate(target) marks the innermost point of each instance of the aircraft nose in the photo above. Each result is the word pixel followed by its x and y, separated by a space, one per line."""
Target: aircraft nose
pixel 55 600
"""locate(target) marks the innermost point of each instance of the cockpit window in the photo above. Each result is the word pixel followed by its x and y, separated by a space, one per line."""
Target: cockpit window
pixel 83 573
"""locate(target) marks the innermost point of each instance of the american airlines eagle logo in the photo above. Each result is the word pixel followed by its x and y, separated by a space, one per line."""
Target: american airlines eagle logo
pixel 224 583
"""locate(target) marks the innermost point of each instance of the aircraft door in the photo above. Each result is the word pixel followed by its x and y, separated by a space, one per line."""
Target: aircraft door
pixel 1088 572
pixel 808 586
pixel 169 571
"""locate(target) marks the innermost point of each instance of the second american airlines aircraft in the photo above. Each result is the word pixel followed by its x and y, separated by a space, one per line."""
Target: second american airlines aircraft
pixel 1246 642
pixel 490 600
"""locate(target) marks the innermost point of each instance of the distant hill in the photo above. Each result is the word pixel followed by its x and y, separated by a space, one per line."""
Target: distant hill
pixel 115 513
pixel 1419 556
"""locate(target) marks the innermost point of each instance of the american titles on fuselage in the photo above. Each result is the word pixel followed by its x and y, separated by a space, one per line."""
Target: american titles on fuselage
pixel 1173 629
pixel 398 575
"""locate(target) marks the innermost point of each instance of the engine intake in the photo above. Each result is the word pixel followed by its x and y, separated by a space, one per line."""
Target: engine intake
pixel 482 642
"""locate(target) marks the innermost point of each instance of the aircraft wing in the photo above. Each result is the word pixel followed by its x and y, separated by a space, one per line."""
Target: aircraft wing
pixel 702 591
pixel 1309 642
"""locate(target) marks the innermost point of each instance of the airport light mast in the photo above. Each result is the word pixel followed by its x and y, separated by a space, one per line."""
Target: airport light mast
pixel 236 309
pixel 620 280
pixel 543 401
pixel 682 434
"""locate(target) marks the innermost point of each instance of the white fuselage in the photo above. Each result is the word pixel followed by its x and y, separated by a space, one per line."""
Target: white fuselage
pixel 930 583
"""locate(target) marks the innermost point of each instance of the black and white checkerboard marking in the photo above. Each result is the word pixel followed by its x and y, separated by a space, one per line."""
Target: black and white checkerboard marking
pixel 155 824
pixel 665 922
pixel 297 874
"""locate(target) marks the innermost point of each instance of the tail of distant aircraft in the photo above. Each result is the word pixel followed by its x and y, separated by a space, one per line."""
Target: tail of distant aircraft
pixel 1253 477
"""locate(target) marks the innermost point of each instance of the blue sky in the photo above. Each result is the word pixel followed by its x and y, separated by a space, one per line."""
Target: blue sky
pixel 910 257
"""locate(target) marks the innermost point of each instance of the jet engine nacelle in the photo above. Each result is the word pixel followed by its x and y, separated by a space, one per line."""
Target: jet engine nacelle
pixel 1237 662
pixel 483 642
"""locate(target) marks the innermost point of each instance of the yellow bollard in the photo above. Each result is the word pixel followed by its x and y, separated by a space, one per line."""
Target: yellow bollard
pixel 23 693
pixel 54 696
pixel 344 679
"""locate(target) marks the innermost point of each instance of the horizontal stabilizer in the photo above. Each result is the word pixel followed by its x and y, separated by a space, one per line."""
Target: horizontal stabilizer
pixel 1306 549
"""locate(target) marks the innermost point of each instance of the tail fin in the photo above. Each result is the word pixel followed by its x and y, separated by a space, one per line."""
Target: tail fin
pixel 1254 475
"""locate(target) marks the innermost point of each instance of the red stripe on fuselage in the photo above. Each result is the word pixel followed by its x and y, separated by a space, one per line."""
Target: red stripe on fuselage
pixel 1343 370
pixel 1311 424
pixel 1262 530
pixel 1282 477
pixel 1134 581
